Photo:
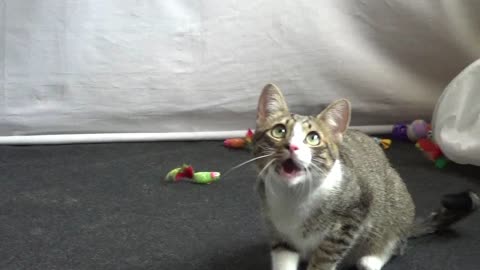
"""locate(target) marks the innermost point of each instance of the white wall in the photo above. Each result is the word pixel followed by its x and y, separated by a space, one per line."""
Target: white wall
pixel 87 66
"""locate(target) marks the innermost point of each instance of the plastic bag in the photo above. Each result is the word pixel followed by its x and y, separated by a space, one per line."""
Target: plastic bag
pixel 456 119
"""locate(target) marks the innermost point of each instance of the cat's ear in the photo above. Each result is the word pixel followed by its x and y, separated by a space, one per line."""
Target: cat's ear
pixel 337 117
pixel 271 103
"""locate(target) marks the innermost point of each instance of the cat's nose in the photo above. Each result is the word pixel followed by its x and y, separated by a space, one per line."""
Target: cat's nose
pixel 293 147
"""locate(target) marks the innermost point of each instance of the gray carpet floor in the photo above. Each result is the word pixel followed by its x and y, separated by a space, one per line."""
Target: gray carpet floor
pixel 105 206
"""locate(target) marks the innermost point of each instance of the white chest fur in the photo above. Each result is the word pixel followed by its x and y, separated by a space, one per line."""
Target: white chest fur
pixel 288 214
pixel 289 207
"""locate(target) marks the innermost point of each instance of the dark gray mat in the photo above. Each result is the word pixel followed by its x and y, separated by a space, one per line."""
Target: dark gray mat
pixel 105 206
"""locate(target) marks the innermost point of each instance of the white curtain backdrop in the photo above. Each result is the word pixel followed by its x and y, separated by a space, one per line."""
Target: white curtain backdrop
pixel 126 66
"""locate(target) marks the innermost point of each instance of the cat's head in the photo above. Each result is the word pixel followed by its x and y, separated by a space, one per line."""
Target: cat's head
pixel 299 147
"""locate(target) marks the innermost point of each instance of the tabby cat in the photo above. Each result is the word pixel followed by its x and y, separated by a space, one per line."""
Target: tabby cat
pixel 330 196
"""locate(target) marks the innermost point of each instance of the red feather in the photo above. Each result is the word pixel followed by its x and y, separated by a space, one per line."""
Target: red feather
pixel 186 172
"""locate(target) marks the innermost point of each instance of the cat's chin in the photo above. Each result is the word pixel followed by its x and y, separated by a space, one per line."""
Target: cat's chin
pixel 293 179
pixel 292 173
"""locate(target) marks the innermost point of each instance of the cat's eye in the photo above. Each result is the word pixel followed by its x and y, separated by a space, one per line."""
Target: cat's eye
pixel 313 138
pixel 279 131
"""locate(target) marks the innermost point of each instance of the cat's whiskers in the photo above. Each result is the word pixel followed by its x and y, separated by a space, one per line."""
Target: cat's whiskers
pixel 312 184
pixel 316 167
pixel 269 179
pixel 321 158
pixel 305 167
pixel 308 178
pixel 266 167
pixel 264 147
pixel 246 162
pixel 320 170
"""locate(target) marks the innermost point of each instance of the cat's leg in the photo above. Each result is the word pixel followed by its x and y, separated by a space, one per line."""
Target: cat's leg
pixel 334 247
pixel 378 254
pixel 388 236
pixel 323 260
pixel 284 257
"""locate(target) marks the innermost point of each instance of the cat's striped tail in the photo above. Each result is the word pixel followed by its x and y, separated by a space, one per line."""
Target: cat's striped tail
pixel 454 208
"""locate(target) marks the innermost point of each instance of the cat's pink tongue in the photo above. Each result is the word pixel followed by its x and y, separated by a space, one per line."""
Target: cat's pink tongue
pixel 289 167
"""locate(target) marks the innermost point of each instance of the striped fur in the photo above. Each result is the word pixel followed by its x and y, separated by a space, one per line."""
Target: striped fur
pixel 346 204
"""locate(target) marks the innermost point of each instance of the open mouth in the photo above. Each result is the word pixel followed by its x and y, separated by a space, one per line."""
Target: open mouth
pixel 290 168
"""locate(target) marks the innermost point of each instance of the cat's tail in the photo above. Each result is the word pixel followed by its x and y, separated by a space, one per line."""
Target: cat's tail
pixel 454 208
